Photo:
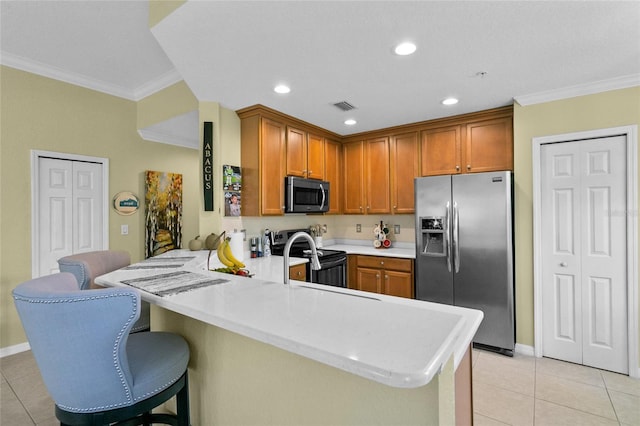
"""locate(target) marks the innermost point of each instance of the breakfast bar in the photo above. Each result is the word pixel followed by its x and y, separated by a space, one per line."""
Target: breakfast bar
pixel 267 353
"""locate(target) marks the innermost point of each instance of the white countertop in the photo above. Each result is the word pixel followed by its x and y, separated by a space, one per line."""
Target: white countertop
pixel 395 341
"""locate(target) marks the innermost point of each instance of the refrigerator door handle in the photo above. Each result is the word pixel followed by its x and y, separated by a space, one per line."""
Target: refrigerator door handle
pixel 447 220
pixel 456 235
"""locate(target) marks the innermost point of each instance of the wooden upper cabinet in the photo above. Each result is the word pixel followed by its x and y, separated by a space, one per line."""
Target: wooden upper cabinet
pixel 353 178
pixel 441 151
pixel 333 174
pixel 404 169
pixel 489 145
pixel 315 156
pixel 273 170
pixel 377 181
pixel 305 154
pixel 263 166
pixel 296 152
pixel 366 177
pixel 473 146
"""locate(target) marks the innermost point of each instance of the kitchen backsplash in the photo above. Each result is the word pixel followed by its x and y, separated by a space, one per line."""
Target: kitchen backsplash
pixel 338 227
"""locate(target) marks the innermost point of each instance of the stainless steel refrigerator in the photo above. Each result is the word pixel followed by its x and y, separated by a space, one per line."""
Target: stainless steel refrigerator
pixel 464 249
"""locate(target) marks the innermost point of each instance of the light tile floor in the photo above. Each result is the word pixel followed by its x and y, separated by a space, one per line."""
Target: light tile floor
pixel 544 392
pixel 507 391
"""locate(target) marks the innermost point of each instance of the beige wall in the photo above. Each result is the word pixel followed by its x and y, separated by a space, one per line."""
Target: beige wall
pixel 604 110
pixel 39 113
pixel 44 114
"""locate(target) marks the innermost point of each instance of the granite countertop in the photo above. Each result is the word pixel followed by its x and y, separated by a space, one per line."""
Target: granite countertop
pixel 395 341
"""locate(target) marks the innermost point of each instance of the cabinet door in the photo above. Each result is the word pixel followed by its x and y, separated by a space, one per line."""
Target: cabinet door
pixel 398 283
pixel 315 157
pixel 298 272
pixel 353 178
pixel 296 152
pixel 272 167
pixel 369 280
pixel 404 169
pixel 440 151
pixel 332 173
pixel 489 145
pixel 377 176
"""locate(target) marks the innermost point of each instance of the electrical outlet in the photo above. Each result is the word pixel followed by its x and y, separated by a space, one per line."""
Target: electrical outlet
pixel 358 228
pixel 124 229
pixel 396 229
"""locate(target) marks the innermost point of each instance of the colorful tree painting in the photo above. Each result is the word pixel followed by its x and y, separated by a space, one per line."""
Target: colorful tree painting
pixel 163 212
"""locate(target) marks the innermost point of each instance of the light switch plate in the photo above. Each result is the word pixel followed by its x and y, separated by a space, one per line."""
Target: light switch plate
pixel 124 229
pixel 358 228
pixel 396 229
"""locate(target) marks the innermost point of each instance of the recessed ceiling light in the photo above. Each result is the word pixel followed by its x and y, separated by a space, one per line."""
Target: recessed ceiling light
pixel 350 122
pixel 450 101
pixel 404 49
pixel 281 88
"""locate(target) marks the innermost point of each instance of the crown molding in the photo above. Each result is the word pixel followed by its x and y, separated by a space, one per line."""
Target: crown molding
pixel 623 82
pixel 169 139
pixel 35 67
pixel 165 80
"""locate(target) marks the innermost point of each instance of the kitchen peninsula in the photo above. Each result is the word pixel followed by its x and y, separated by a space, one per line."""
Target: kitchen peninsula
pixel 266 353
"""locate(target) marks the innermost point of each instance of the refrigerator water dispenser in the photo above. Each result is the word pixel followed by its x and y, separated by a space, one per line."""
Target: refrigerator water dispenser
pixel 433 237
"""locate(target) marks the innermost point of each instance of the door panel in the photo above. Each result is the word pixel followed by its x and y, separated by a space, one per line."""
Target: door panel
pixel 584 252
pixel 87 200
pixel 55 215
pixel 604 264
pixel 485 277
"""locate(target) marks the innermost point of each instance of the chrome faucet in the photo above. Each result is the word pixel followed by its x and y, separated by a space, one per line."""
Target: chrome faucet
pixel 315 262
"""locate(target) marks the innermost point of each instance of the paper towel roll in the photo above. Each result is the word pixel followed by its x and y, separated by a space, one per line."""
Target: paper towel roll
pixel 236 245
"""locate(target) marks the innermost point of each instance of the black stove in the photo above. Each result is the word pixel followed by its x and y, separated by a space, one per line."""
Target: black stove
pixel 333 263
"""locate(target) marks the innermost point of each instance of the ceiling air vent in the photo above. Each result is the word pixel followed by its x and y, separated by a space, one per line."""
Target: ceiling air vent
pixel 344 105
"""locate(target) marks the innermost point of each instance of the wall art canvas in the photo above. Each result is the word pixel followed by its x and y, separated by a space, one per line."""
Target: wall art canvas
pixel 163 212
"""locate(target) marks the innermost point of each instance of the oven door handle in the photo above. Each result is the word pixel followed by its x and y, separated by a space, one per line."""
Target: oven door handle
pixel 332 263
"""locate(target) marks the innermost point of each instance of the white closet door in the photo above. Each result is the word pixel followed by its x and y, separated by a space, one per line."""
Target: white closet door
pixel 584 252
pixel 87 202
pixel 70 216
pixel 55 217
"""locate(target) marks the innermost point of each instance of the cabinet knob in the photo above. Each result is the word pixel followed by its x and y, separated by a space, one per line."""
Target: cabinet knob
pixel 310 172
pixel 457 168
pixel 382 262
pixel 377 275
pixel 386 277
pixel 299 273
pixel 368 207
pixel 395 207
pixel 468 166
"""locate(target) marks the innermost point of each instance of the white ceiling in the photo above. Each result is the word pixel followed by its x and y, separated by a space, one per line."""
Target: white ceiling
pixel 235 52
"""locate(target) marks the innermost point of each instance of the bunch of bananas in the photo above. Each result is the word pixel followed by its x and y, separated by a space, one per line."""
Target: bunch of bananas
pixel 226 257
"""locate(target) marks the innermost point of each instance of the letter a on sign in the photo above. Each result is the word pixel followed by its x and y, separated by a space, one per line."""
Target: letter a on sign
pixel 207 166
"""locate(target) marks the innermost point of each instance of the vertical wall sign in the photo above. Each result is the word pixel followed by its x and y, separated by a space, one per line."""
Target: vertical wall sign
pixel 207 166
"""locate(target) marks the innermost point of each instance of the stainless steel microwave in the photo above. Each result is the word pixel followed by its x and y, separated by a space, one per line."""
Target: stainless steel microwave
pixel 305 195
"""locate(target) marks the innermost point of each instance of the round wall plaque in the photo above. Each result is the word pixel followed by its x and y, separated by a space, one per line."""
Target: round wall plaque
pixel 125 203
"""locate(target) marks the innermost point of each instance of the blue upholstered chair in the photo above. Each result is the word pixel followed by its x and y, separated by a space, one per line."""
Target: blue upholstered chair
pixel 96 371
pixel 89 265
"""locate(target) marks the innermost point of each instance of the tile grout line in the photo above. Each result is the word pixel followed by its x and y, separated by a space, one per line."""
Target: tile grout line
pixel 19 400
pixel 610 399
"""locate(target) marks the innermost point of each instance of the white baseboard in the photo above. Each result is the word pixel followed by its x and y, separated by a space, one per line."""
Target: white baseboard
pixel 15 349
pixel 524 350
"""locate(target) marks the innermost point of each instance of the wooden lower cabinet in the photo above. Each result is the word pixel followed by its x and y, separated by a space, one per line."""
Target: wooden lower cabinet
pixel 380 274
pixel 298 272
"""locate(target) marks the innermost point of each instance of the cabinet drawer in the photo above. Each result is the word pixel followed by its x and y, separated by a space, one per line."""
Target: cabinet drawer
pixel 382 262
